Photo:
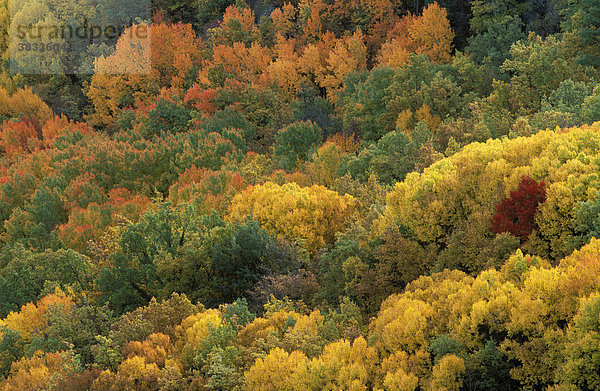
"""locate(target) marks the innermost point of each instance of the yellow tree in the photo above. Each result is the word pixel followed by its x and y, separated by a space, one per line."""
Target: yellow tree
pixel 241 62
pixel 342 366
pixel 310 214
pixel 447 374
pixel 155 349
pixel 23 102
pixel 395 50
pixel 311 14
pixel 432 34
pixel 32 319
pixel 403 324
pixel 275 372
pixel 195 328
pixel 41 371
pixel 260 329
pixel 323 168
pixel 136 374
pixel 238 25
pixel 393 53
pixel 429 34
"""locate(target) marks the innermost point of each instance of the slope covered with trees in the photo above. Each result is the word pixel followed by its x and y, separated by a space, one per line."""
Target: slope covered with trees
pixel 306 195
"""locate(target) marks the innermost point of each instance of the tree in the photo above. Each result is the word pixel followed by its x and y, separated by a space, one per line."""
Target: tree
pixel 342 364
pixel 283 20
pixel 393 53
pixel 230 118
pixel 495 26
pixel 431 34
pixel 581 361
pixel 537 67
pixel 489 369
pixel 275 372
pixel 311 107
pixel 134 74
pixel 590 110
pixel 390 159
pixel 133 279
pixel 431 221
pixel 582 21
pixel 348 55
pixel 208 10
pixel 516 214
pixel 325 164
pixel 363 103
pixel 296 143
pixel 238 25
pixel 239 255
pixel 41 370
pixel 26 276
pixel 32 321
pixel 184 11
pixel 24 103
pixel 19 137
pixel 59 126
pixel 311 214
pixel 569 97
pixel 399 261
pixel 207 190
pixel 174 55
pixel 447 374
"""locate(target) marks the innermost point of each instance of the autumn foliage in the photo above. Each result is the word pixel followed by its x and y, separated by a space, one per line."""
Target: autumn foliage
pixel 303 195
pixel 516 214
pixel 312 214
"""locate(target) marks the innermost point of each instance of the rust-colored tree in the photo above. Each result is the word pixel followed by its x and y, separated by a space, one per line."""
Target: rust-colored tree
pixel 516 214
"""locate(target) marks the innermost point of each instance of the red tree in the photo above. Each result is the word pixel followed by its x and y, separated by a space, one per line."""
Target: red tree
pixel 516 214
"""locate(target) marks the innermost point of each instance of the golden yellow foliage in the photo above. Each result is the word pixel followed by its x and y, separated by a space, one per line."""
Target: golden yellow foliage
pixel 260 328
pixel 40 372
pixel 348 55
pixel 400 381
pixel 342 366
pixel 404 324
pixel 275 372
pixel 432 35
pixel 196 327
pixel 283 19
pixel 23 102
pixel 155 349
pixel 32 318
pixel 312 214
pixel 476 179
pixel 447 374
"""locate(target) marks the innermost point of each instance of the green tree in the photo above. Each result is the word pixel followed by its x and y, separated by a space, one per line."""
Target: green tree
pixel 26 276
pixel 583 19
pixel 296 143
pixel 491 46
pixel 363 103
pixel 489 369
pixel 590 110
pixel 568 97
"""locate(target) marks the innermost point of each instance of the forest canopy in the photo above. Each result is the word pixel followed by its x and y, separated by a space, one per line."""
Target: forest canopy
pixel 302 195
